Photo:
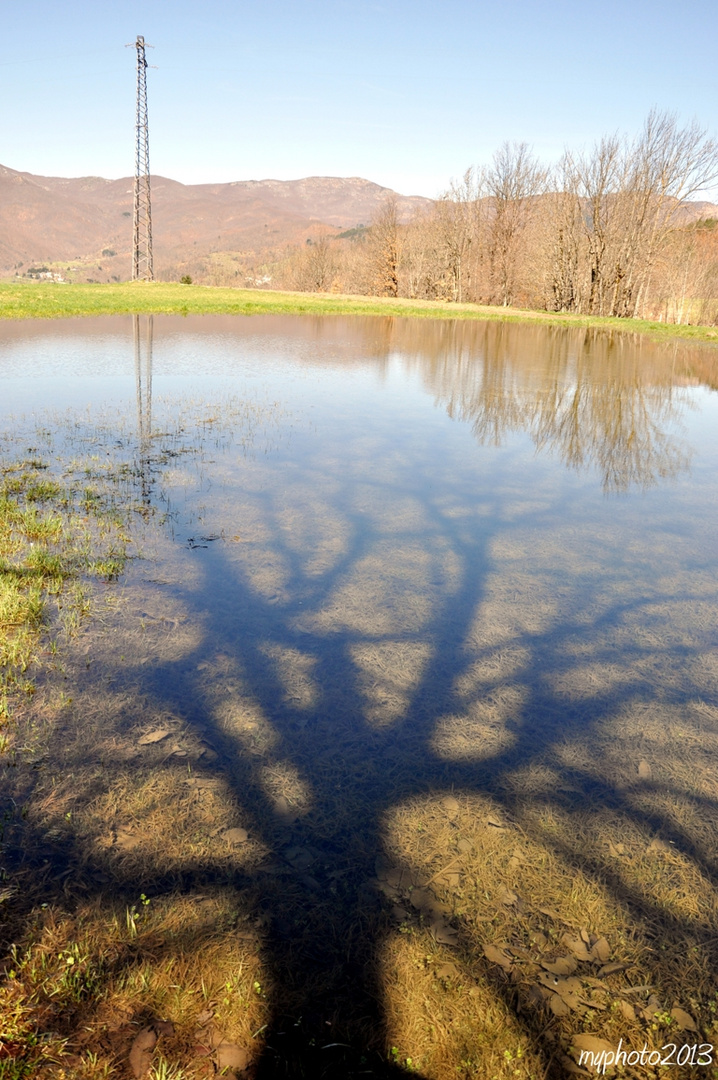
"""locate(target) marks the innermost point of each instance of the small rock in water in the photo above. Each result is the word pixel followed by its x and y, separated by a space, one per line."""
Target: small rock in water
pixel 629 1013
pixel 538 995
pixel 141 1052
pixel 558 1006
pixel 300 858
pixel 658 847
pixel 232 1058
pixel 443 933
pixel 591 1043
pixel 422 899
pixel 577 946
pixel 601 950
pixel 127 840
pixel 562 965
pixel 495 822
pixel 684 1019
pixel 611 969
pixel 154 736
pixel 283 810
pixel 382 867
pixel 497 956
pixel 235 836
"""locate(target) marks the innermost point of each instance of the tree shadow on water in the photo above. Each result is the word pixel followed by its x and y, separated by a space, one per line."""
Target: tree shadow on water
pixel 320 896
pixel 321 948
pixel 416 662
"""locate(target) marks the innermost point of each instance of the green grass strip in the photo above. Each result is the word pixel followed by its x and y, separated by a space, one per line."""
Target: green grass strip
pixel 50 300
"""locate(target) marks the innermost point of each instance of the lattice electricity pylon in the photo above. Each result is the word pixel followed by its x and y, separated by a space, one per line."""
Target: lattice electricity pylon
pixel 142 262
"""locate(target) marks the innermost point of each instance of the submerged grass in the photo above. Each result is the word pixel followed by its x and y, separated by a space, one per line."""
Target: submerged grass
pixel 503 920
pixel 221 826
pixel 49 300
pixel 499 937
pixel 49 544
pixel 65 521
pixel 114 968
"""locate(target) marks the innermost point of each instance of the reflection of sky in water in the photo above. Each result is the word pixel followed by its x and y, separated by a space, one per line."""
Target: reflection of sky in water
pixel 374 394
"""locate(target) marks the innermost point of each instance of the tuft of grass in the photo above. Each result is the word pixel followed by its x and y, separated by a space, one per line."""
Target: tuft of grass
pixel 42 491
pixel 110 567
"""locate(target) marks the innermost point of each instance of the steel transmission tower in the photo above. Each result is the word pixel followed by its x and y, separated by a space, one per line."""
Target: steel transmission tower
pixel 142 264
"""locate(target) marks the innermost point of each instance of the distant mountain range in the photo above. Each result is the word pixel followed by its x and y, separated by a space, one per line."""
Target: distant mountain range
pixel 88 221
pixel 82 228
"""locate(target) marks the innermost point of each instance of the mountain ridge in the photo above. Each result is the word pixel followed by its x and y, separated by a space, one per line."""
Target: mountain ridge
pixel 81 227
pixel 46 219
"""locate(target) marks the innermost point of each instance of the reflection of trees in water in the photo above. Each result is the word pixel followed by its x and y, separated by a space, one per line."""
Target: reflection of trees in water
pixel 599 400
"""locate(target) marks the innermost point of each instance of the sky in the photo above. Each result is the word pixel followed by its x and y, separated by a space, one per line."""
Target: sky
pixel 406 93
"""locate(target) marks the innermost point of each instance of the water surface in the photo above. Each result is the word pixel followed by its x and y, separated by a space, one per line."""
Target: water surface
pixel 400 560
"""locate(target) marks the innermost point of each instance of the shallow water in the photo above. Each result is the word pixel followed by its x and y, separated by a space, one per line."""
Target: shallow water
pixel 398 460
pixel 480 526
pixel 394 559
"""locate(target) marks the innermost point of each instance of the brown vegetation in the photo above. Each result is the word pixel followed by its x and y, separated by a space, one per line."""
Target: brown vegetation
pixel 614 230
pixel 607 232
pixel 219 234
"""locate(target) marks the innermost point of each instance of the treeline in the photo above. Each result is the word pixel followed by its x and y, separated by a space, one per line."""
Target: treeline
pixel 603 232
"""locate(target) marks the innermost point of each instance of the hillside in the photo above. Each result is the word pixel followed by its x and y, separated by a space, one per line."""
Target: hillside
pixel 48 220
pixel 236 233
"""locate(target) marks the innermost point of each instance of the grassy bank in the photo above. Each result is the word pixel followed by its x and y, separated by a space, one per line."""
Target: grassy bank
pixel 48 300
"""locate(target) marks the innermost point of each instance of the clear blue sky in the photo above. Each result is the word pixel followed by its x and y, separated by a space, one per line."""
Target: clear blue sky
pixel 408 94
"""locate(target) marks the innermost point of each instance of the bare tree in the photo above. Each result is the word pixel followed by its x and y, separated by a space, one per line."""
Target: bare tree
pixel 421 260
pixel 596 178
pixel 384 249
pixel 459 215
pixel 564 241
pixel 315 268
pixel 513 181
pixel 684 281
pixel 668 165
pixel 631 193
pixel 600 239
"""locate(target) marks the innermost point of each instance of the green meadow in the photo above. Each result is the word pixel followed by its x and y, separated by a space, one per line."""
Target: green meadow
pixel 50 300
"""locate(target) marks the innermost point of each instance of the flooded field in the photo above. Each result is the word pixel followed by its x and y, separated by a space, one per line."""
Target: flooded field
pixel 392 747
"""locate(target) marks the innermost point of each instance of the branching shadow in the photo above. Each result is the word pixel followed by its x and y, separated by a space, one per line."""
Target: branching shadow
pixel 323 953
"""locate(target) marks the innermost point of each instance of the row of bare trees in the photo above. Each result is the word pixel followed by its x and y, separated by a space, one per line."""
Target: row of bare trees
pixel 617 209
pixel 603 232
